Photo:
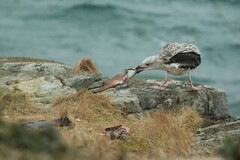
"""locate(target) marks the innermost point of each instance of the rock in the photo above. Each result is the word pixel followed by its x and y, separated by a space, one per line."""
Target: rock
pixel 80 81
pixel 14 72
pixel 44 90
pixel 33 68
pixel 124 98
pixel 143 96
pixel 38 124
pixel 212 138
pixel 64 121
pixel 45 82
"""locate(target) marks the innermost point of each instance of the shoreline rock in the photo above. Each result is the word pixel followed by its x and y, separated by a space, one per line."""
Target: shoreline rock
pixel 45 82
pixel 143 96
pixel 212 138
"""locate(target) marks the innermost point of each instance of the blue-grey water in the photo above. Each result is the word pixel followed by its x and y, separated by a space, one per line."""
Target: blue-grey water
pixel 117 34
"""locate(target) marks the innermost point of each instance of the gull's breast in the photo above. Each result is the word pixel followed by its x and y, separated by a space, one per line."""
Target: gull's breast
pixel 174 68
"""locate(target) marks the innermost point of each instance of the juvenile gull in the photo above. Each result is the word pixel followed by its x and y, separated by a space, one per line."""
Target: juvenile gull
pixel 174 58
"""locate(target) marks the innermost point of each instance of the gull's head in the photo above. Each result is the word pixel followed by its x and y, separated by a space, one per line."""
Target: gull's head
pixel 150 63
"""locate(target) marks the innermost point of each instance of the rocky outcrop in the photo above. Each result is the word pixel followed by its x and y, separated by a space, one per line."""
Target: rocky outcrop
pixel 44 82
pixel 146 95
pixel 37 80
pixel 211 138
pixel 31 69
pixel 44 90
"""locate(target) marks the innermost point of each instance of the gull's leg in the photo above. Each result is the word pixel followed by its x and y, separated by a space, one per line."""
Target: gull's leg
pixel 193 88
pixel 161 86
pixel 166 78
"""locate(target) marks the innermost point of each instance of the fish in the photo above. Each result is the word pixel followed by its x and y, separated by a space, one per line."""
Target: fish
pixel 119 79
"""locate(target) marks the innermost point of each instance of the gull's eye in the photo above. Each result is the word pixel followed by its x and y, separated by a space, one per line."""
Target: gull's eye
pixel 147 64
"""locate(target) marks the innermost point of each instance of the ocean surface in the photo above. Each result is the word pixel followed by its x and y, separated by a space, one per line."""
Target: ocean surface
pixel 117 34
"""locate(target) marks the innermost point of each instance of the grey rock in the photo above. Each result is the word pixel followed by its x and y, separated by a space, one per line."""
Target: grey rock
pixel 64 121
pixel 22 71
pixel 124 98
pixel 80 81
pixel 45 82
pixel 38 124
pixel 43 90
pixel 211 138
pixel 145 96
pixel 34 68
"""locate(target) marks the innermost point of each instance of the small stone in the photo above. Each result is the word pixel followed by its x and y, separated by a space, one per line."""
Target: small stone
pixel 64 121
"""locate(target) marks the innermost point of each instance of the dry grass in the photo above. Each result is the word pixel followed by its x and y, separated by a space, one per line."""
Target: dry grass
pixel 90 114
pixel 85 65
pixel 167 133
pixel 88 107
pixel 17 107
pixel 15 103
pixel 164 134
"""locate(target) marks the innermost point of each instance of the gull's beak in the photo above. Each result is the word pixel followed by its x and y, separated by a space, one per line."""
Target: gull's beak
pixel 140 68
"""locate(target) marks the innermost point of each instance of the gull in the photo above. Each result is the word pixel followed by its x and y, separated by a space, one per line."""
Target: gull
pixel 174 58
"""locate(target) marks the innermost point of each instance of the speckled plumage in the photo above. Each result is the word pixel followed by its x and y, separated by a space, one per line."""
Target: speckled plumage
pixel 179 58
pixel 171 49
